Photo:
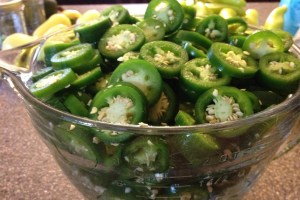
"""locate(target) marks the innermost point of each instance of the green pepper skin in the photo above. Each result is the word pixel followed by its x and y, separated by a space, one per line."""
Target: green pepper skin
pixel 112 44
pixel 236 25
pixel 170 12
pixel 146 78
pixel 73 57
pixel 232 60
pixel 121 103
pixel 52 83
pixel 78 140
pixel 263 42
pixel 53 47
pixel 147 154
pixel 164 110
pixel 209 97
pixel 198 75
pixel 117 14
pixel 92 31
pixel 213 27
pixel 279 72
pixel 153 29
pixel 168 57
pixel 196 39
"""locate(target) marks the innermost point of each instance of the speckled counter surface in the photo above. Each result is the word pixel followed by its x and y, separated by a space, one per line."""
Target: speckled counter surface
pixel 28 171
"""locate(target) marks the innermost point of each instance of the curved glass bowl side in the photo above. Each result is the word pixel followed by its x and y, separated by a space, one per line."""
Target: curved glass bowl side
pixel 226 175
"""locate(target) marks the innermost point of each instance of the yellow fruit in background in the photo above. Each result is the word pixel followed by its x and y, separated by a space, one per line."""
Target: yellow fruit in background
pixel 54 20
pixel 88 16
pixel 16 39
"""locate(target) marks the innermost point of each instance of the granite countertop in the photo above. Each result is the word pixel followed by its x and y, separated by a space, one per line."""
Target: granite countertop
pixel 29 172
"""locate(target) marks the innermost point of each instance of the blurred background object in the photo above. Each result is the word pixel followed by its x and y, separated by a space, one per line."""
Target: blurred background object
pixel 34 14
pixel 11 18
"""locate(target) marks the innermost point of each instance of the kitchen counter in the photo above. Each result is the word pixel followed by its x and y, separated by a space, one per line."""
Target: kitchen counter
pixel 28 171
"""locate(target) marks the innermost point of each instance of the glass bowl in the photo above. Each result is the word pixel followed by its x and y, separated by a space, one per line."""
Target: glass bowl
pixel 101 171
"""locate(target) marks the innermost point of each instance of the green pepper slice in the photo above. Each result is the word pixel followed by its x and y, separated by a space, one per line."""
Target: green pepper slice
pixel 237 40
pixel 192 51
pixel 195 147
pixel 117 14
pixel 169 12
pixel 222 104
pixel 77 140
pixel 168 57
pixel 89 65
pixel 236 25
pixel 198 40
pixel 41 73
pixel 232 60
pixel 263 42
pixel 164 110
pixel 52 83
pixel 121 39
pixel 75 106
pixel 142 74
pixel 73 57
pixel 92 31
pixel 153 29
pixel 286 38
pixel 53 47
pixel 183 118
pixel 147 154
pixel 280 72
pixel 213 27
pixel 87 78
pixel 121 103
pixel 198 75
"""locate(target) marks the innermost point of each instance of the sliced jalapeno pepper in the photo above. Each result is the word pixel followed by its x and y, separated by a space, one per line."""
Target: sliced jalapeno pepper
pixel 122 103
pixel 52 83
pixel 143 75
pixel 75 106
pixel 73 57
pixel 263 42
pixel 87 78
pixel 280 72
pixel 121 39
pixel 183 118
pixel 164 110
pixel 169 12
pixel 153 29
pixel 147 154
pixel 92 31
pixel 232 60
pixel 53 47
pixel 256 103
pixel 195 38
pixel 236 25
pixel 286 38
pixel 41 73
pixel 89 65
pixel 198 75
pixel 100 84
pixel 237 40
pixel 168 57
pixel 222 104
pixel 195 147
pixel 117 14
pixel 77 140
pixel 192 51
pixel 213 27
